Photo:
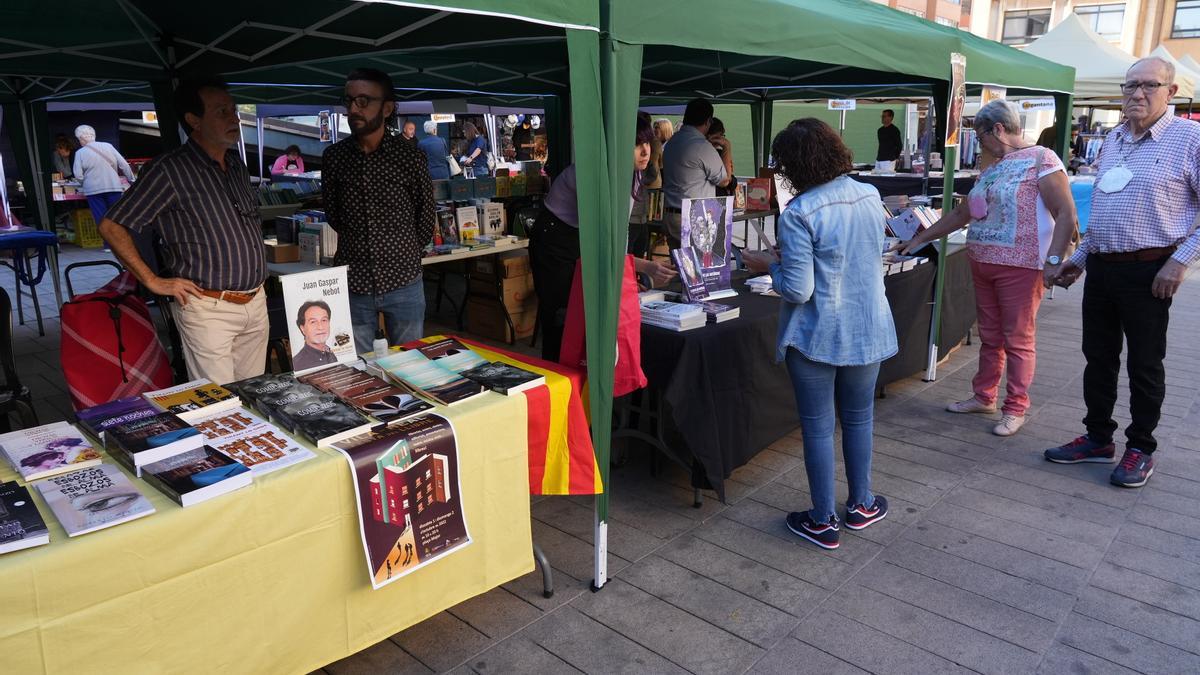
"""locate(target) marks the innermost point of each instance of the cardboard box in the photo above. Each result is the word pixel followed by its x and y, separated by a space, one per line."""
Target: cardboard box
pixel 461 189
pixel 516 293
pixel 282 253
pixel 507 265
pixel 486 319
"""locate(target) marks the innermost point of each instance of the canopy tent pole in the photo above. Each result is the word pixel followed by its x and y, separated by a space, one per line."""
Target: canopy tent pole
pixel 942 92
pixel 258 127
pixel 36 138
pixel 6 214
pixel 169 129
pixel 1064 107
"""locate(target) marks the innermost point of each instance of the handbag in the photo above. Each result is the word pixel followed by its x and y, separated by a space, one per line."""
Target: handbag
pixel 455 169
pixel 627 371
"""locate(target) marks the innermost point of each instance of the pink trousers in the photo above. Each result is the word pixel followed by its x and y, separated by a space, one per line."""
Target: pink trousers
pixel 1006 303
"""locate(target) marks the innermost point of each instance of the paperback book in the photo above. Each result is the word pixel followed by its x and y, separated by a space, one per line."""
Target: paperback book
pixel 197 475
pixel 717 312
pixel 504 378
pixel 92 499
pixel 322 419
pixel 244 437
pixel 689 273
pixel 429 378
pixel 193 399
pixel 367 393
pixel 467 219
pixel 21 525
pixel 47 450
pixel 254 388
pixel 270 405
pixel 493 219
pixel 706 225
pixel 758 194
pixel 98 419
pixel 140 442
pixel 673 315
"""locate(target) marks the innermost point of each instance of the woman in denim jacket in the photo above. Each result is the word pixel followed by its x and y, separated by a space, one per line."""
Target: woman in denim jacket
pixel 835 325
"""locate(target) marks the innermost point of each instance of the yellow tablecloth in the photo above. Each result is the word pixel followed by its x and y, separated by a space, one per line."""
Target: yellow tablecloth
pixel 269 579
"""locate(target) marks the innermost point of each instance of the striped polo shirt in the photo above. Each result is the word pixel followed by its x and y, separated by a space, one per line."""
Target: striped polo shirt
pixel 208 218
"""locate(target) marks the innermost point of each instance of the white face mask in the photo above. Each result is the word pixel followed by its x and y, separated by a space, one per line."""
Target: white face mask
pixel 1115 180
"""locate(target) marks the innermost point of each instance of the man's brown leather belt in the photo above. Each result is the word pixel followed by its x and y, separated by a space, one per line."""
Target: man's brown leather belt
pixel 1144 255
pixel 236 297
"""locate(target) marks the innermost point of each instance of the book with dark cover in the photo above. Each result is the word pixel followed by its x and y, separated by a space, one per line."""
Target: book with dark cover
pixel 504 378
pixel 323 419
pixel 688 265
pixel 93 498
pixel 271 404
pixel 197 475
pixel 150 439
pixel 47 450
pixel 451 355
pixel 251 389
pixel 21 526
pixel 396 407
pixel 98 419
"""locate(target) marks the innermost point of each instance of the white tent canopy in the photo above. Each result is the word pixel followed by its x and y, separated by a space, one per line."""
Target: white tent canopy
pixel 1183 72
pixel 1099 65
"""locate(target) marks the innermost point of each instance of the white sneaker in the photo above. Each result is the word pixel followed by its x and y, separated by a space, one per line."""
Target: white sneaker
pixel 1009 424
pixel 971 405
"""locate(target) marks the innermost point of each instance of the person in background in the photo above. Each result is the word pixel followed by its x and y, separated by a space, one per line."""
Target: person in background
pixel 1021 217
pixel 436 151
pixel 716 136
pixel 522 138
pixel 62 156
pixel 96 168
pixel 835 325
pixel 477 149
pixel 199 197
pixel 663 130
pixel 888 135
pixel 289 162
pixel 692 166
pixel 379 199
pixel 1140 241
pixel 554 246
pixel 639 217
pixel 408 132
pixel 1047 138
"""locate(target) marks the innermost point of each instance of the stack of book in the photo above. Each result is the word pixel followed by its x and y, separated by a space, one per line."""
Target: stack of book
pixel 150 439
pixel 504 378
pixel 197 475
pixel 717 312
pixel 21 525
pixel 762 285
pixel 301 409
pixel 368 393
pixel 244 437
pixel 93 498
pixel 47 451
pixel 98 419
pixel 195 399
pixel 673 315
pixel 432 371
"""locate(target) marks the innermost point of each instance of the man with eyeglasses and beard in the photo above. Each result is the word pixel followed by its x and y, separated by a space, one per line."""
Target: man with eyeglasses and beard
pixel 199 198
pixel 1138 246
pixel 379 198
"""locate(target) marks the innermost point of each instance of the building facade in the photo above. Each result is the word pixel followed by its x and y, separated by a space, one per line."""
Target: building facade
pixel 956 13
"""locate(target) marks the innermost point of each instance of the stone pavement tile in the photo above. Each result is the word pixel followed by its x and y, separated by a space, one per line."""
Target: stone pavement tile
pixel 1175 485
pixel 856 551
pixel 528 587
pixel 776 461
pixel 384 657
pixel 1086 482
pixel 1028 538
pixel 999 556
pixel 766 584
pixel 571 554
pixel 518 654
pixel 646 517
pixel 901 514
pixel 624 539
pixel 1158 565
pixel 883 483
pixel 872 650
pixel 793 657
pixel 790 555
pixel 442 641
pixel 944 637
pixel 1147 589
pixel 1044 498
pixel 945 462
pixel 1153 539
pixel 1066 659
pixel 662 494
pixel 1013 591
pixel 592 647
pixel 1167 519
pixel 941 444
pixel 1180 463
pixel 1124 648
pixel 1182 632
pixel 753 475
pixel 497 613
pixel 988 616
pixel 686 640
pixel 740 614
pixel 921 474
pixel 1060 523
pixel 792 447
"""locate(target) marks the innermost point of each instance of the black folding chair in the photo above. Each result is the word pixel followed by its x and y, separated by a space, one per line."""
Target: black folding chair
pixel 14 396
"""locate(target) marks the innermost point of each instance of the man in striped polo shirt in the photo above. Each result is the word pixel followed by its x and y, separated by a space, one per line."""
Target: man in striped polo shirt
pixel 200 198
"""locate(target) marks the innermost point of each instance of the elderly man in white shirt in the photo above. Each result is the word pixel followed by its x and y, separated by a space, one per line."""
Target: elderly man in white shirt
pixel 96 167
pixel 692 168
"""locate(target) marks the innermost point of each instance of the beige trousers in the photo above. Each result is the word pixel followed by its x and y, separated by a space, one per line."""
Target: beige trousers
pixel 222 341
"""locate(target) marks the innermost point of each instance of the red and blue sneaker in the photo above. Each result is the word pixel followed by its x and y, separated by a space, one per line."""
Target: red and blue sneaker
pixel 1135 469
pixel 859 516
pixel 825 535
pixel 1083 449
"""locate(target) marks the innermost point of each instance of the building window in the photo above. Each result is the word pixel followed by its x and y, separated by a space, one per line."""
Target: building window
pixel 947 22
pixel 1187 19
pixel 1106 20
pixel 1021 27
pixel 914 12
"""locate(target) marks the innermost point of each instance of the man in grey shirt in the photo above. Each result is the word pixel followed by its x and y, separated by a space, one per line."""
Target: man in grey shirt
pixel 692 167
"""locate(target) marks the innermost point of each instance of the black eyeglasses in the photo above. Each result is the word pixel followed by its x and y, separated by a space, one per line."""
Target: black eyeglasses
pixel 1129 88
pixel 362 101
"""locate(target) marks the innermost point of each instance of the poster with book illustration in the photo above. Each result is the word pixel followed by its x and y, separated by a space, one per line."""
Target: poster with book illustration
pixel 706 225
pixel 317 306
pixel 408 494
pixel 958 97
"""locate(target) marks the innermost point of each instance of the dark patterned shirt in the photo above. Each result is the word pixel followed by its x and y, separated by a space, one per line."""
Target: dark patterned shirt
pixel 208 218
pixel 381 205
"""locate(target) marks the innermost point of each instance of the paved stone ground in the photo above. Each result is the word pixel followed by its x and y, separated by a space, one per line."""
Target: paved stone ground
pixel 992 559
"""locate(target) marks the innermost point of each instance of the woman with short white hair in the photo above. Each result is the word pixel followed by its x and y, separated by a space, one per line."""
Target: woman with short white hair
pixel 1019 212
pixel 96 168
pixel 436 152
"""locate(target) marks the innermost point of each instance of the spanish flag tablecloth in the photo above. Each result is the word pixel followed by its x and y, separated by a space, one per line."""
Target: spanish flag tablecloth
pixel 562 460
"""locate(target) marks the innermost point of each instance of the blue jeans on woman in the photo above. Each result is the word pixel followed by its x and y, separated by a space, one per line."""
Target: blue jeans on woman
pixel 403 315
pixel 824 393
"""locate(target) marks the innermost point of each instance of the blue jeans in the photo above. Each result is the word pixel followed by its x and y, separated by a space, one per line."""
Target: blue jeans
pixel 823 393
pixel 101 203
pixel 403 315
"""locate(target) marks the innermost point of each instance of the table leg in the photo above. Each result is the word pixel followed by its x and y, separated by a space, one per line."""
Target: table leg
pixel 53 252
pixel 17 256
pixel 547 573
pixel 462 308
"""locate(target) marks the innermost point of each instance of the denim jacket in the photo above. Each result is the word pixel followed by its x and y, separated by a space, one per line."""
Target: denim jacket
pixel 831 276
